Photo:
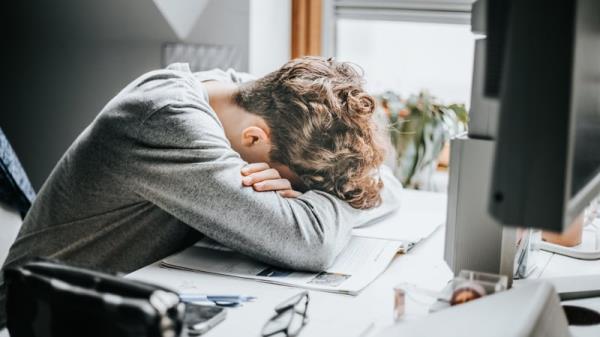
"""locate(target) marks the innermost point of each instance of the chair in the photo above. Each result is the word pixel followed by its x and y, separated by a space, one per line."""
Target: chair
pixel 16 196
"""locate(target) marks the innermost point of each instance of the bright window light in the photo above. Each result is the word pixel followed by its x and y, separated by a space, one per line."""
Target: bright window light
pixel 407 57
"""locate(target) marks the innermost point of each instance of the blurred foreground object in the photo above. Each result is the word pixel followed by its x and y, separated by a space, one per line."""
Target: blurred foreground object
pixel 581 240
pixel 570 237
pixel 530 310
pixel 64 301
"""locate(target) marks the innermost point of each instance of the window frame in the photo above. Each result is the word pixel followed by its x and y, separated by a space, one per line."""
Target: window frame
pixel 426 11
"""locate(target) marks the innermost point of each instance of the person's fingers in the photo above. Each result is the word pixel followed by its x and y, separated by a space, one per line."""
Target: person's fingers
pixel 254 167
pixel 273 185
pixel 289 193
pixel 268 174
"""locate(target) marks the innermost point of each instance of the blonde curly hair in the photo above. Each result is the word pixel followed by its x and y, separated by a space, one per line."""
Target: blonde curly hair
pixel 321 126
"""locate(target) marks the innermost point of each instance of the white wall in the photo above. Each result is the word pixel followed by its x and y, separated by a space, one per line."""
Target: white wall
pixel 66 59
pixel 225 22
pixel 270 35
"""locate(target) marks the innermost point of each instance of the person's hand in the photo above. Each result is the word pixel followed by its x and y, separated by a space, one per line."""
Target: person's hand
pixel 264 178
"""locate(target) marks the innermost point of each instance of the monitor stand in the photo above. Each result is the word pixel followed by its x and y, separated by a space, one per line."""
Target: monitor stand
pixel 474 240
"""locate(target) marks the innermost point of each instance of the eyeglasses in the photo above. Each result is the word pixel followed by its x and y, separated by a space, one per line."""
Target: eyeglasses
pixel 290 317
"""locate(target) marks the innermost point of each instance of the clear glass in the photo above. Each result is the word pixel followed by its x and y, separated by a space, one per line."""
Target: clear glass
pixel 407 57
pixel 471 285
pixel 492 283
pixel 278 323
pixel 399 303
pixel 290 317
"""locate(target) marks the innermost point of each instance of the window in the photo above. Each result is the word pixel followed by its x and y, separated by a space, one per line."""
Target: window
pixel 409 46
pixel 407 56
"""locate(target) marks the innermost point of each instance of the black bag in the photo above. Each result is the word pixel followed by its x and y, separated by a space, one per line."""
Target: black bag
pixel 47 299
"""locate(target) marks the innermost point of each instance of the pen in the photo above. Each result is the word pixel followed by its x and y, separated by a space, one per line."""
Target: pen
pixel 216 298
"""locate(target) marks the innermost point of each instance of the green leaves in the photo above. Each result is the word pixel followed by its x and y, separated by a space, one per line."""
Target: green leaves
pixel 418 128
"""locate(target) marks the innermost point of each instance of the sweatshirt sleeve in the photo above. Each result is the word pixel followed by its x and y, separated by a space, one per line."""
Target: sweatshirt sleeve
pixel 192 173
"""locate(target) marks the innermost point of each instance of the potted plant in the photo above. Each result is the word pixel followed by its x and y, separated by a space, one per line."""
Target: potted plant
pixel 418 129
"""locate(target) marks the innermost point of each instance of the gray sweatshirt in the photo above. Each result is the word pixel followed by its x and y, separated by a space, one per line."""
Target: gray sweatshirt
pixel 154 173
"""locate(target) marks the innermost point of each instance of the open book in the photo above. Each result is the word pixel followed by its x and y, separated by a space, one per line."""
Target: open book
pixel 361 261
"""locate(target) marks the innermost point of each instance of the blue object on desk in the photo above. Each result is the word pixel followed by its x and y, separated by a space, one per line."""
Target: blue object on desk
pixel 223 300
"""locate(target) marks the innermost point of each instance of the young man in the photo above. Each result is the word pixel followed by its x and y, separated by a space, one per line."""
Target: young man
pixel 166 162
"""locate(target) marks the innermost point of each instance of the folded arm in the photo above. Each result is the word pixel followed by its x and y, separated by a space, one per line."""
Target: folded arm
pixel 192 173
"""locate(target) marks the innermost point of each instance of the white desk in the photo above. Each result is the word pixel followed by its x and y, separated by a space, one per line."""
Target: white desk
pixel 555 265
pixel 342 315
pixel 329 314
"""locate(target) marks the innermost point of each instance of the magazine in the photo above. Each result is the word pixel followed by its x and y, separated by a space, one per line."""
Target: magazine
pixel 361 262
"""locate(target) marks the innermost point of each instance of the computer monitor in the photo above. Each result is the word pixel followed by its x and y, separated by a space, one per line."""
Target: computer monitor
pixel 543 65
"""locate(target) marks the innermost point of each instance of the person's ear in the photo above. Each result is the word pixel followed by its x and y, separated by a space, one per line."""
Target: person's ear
pixel 254 135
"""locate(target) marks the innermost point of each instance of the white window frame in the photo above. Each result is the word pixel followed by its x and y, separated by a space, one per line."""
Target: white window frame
pixel 430 11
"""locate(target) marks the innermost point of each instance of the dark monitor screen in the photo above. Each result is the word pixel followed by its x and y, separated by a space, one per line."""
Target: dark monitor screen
pixel 547 153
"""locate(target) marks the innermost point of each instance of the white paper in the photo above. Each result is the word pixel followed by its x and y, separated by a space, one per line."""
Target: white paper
pixel 419 215
pixel 361 262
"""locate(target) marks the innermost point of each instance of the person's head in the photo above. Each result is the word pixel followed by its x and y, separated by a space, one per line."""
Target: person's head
pixel 319 125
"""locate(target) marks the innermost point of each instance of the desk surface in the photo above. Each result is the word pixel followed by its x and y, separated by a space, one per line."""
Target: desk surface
pixel 343 315
pixel 329 314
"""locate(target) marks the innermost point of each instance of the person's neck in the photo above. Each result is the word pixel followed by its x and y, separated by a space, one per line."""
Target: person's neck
pixel 221 100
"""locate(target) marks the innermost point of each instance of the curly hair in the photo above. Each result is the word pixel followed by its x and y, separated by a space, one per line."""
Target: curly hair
pixel 321 126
